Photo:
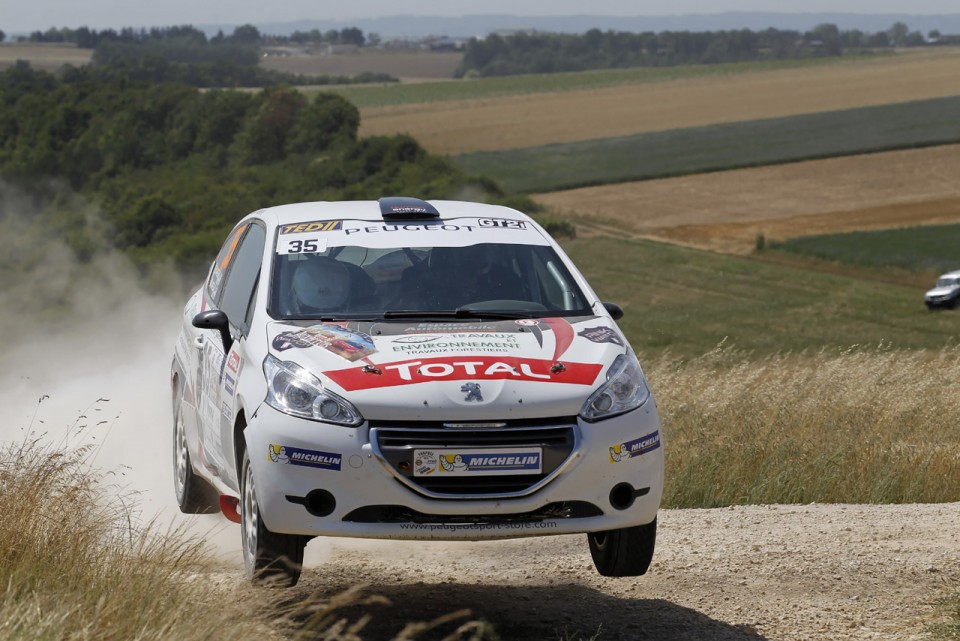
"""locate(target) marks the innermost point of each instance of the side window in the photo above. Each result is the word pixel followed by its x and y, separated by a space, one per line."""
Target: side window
pixel 224 258
pixel 242 277
pixel 557 285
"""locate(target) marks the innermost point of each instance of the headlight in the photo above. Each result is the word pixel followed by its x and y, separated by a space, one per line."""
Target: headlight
pixel 293 390
pixel 626 389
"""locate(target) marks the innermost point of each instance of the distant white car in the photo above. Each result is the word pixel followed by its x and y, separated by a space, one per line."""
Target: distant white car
pixel 946 293
pixel 404 369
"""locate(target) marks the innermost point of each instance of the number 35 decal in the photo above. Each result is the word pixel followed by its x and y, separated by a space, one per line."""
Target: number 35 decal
pixel 302 245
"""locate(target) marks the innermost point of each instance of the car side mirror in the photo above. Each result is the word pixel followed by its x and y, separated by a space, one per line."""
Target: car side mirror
pixel 215 319
pixel 615 311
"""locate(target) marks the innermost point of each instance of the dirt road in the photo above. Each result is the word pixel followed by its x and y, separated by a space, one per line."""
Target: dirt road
pixel 733 574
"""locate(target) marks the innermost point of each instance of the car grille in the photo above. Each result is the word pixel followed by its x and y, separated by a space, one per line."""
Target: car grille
pixel 395 443
pixel 401 514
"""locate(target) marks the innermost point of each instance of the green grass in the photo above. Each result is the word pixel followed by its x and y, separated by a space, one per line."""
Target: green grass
pixel 685 302
pixel 928 248
pixel 399 94
pixel 720 147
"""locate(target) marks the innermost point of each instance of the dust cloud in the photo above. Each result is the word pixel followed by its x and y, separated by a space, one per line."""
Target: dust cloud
pixel 85 355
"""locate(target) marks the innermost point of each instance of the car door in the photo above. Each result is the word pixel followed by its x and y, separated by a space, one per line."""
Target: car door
pixel 220 369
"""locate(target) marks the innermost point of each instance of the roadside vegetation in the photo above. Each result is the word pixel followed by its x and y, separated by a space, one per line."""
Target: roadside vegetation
pixel 858 425
pixel 74 566
pixel 678 152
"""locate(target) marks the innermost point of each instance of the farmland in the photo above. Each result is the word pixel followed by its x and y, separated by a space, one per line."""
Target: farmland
pixel 45 57
pixel 408 66
pixel 719 147
pixel 518 121
pixel 725 211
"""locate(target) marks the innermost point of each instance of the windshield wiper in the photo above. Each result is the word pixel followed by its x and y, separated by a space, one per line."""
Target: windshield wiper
pixel 460 312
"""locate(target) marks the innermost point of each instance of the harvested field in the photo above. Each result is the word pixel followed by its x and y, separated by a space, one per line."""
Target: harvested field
pixel 404 65
pixel 46 57
pixel 511 122
pixel 725 211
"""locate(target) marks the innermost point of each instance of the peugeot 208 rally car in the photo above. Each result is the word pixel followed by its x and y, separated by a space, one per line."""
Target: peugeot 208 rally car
pixel 404 369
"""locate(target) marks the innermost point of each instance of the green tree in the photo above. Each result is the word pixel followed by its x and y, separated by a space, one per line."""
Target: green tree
pixel 263 136
pixel 246 35
pixel 898 33
pixel 324 122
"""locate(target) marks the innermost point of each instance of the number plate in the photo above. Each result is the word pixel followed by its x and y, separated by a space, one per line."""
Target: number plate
pixel 477 462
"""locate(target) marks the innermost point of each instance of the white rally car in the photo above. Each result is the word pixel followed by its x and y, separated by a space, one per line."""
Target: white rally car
pixel 405 369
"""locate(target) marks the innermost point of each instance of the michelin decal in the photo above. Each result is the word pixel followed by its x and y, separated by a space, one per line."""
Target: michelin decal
pixel 636 447
pixel 307 458
pixel 521 460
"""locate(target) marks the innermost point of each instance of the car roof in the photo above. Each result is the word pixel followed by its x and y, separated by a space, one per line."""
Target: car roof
pixel 370 210
pixel 953 274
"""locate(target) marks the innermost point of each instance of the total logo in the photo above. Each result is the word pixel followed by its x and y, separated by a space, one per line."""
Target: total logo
pixel 466 368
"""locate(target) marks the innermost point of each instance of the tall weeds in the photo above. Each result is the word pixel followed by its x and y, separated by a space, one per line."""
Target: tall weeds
pixel 855 426
pixel 73 565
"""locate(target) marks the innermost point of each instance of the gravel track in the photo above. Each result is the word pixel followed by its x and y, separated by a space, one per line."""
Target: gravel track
pixel 779 572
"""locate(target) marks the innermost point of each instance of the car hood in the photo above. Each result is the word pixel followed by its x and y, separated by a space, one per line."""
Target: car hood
pixel 942 291
pixel 475 370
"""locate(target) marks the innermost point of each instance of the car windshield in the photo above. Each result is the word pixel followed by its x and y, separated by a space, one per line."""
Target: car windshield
pixel 947 282
pixel 485 279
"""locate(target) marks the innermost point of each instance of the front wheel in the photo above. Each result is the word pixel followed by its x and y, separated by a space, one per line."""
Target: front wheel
pixel 268 557
pixel 625 551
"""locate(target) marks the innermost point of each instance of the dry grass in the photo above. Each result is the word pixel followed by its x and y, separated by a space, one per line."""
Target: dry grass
pixel 724 211
pixel 75 566
pixel 511 122
pixel 857 426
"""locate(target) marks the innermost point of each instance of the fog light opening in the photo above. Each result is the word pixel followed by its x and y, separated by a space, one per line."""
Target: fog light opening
pixel 622 496
pixel 320 503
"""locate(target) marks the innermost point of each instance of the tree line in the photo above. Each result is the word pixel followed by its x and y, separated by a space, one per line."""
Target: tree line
pixel 171 168
pixel 525 52
pixel 184 54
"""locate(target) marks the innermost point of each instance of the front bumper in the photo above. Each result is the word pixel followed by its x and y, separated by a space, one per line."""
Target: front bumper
pixel 338 481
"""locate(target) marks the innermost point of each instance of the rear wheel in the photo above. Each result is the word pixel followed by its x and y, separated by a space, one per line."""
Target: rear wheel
pixel 194 495
pixel 268 557
pixel 625 551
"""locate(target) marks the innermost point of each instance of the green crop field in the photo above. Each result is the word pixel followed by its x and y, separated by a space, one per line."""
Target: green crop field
pixel 928 248
pixel 687 301
pixel 720 147
pixel 398 94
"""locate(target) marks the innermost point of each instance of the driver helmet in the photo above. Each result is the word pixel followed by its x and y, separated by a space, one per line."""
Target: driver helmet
pixel 320 284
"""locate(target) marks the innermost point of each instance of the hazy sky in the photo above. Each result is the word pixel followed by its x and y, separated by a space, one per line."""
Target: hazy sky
pixel 28 15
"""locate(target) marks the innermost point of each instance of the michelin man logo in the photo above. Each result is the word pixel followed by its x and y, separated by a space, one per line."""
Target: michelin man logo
pixel 473 392
pixel 619 452
pixel 453 463
pixel 278 454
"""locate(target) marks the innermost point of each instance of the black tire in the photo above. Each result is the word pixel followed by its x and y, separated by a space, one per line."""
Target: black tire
pixel 269 558
pixel 194 495
pixel 623 552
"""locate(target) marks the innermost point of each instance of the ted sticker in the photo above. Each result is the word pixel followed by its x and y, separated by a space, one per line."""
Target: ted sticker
pixel 601 335
pixel 636 447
